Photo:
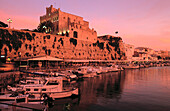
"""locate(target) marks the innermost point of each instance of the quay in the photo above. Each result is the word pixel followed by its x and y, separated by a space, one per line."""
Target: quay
pixel 48 63
pixel 62 64
pixel 23 106
pixel 53 65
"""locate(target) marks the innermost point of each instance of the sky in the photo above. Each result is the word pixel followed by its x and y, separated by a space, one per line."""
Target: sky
pixel 142 23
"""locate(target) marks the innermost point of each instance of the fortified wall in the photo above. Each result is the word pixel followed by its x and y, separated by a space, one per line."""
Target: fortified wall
pixel 26 44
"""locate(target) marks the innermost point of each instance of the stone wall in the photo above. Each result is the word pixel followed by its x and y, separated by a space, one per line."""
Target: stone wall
pixel 15 43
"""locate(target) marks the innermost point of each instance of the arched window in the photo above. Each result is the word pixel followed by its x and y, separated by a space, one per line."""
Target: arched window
pixel 75 34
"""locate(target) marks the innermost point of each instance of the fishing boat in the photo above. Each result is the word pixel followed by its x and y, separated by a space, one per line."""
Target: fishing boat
pixel 30 81
pixel 53 87
pixel 16 97
pixel 112 68
pixel 69 75
pixel 86 71
pixel 131 66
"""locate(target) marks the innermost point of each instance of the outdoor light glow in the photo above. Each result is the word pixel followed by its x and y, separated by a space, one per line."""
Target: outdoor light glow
pixel 10 21
pixel 8 59
pixel 44 27
pixel 64 32
pixel 2 56
pixel 68 31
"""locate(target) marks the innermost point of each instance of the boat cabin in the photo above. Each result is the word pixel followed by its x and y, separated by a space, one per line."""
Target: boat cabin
pixel 52 84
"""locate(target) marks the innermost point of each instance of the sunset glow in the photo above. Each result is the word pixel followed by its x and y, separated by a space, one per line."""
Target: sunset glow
pixel 139 22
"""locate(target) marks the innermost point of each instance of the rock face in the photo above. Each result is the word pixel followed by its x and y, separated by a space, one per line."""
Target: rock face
pixel 16 43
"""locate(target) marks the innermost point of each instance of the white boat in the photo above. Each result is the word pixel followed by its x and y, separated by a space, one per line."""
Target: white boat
pixel 16 97
pixel 98 69
pixel 69 75
pixel 53 87
pixel 131 66
pixel 112 68
pixel 30 81
pixel 105 70
pixel 86 71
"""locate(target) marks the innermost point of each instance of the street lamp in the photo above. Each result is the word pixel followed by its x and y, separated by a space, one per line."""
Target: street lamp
pixel 19 60
pixel 9 21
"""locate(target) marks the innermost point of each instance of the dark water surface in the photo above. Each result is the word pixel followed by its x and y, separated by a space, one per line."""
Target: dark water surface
pixel 145 89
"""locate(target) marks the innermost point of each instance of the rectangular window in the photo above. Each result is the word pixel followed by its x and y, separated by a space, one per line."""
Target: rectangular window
pixel 35 89
pixel 43 89
pixel 27 89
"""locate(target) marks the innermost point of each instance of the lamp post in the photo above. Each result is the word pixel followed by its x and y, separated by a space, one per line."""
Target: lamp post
pixel 9 21
pixel 19 60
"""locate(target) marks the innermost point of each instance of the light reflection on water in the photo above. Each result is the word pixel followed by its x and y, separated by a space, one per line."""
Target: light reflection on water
pixel 146 89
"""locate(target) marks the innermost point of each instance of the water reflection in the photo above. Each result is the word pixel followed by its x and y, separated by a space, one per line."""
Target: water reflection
pixel 108 85
pixel 67 104
pixel 145 89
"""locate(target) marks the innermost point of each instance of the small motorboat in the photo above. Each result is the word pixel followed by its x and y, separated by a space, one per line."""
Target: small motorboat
pixel 53 87
pixel 15 96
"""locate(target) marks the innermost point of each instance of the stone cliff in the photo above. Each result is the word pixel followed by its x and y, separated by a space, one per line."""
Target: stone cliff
pixel 17 43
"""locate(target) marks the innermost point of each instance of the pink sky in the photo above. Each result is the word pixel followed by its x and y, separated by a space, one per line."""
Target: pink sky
pixel 139 22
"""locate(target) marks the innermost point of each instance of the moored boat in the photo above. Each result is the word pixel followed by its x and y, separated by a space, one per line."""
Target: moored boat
pixel 130 66
pixel 16 97
pixel 53 87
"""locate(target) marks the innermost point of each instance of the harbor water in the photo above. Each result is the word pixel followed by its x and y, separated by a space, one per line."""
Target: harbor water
pixel 145 89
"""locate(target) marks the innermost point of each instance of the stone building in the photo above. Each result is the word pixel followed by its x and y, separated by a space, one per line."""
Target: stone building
pixel 69 24
pixel 144 53
pixel 71 39
pixel 129 51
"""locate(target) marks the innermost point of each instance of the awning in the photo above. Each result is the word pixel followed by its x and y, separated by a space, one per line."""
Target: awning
pixel 45 58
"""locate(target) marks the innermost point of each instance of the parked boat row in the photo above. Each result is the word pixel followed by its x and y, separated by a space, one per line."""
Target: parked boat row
pixel 54 85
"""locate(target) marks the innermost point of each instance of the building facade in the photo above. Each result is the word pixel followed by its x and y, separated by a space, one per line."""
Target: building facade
pixel 69 25
pixel 129 51
pixel 144 53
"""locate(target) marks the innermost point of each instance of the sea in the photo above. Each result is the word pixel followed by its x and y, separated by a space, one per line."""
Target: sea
pixel 145 89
